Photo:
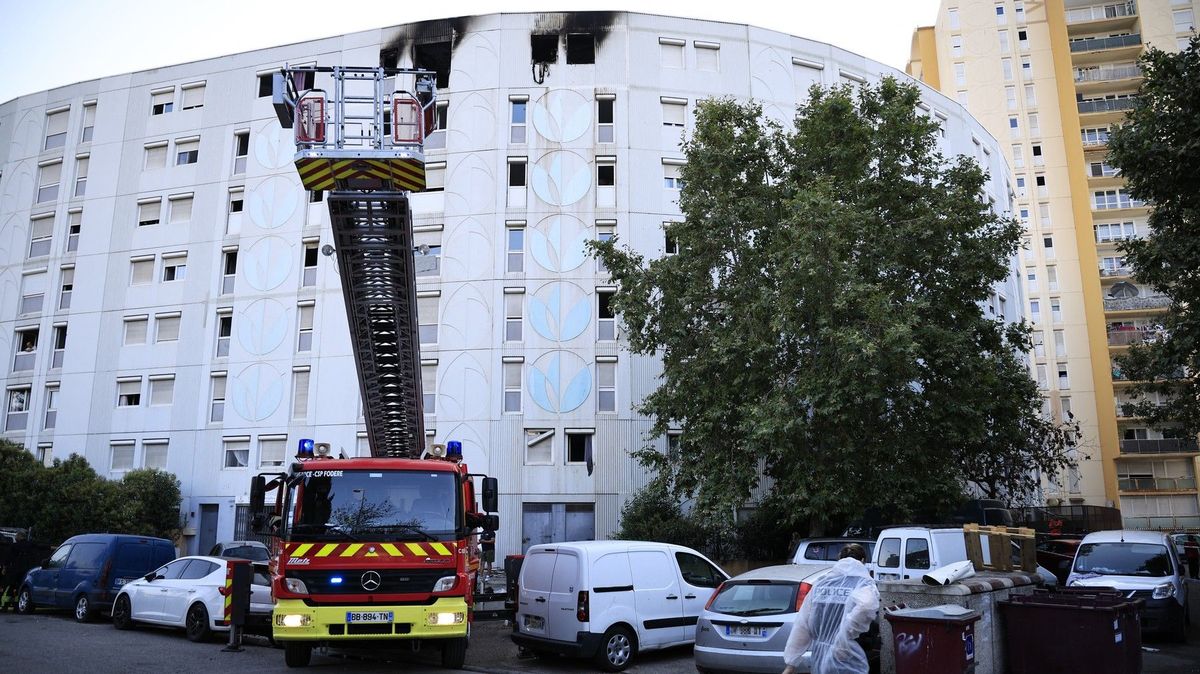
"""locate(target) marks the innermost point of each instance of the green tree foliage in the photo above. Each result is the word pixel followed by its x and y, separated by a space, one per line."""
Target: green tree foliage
pixel 1158 152
pixel 69 498
pixel 820 325
pixel 652 514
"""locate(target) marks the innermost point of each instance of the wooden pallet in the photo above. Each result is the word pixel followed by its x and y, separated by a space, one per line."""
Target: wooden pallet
pixel 1000 538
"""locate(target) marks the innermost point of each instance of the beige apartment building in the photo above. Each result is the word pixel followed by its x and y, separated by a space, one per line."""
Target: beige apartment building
pixel 1050 80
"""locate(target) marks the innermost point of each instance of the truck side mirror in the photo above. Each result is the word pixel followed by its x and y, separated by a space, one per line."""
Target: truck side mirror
pixel 258 493
pixel 491 494
pixel 491 522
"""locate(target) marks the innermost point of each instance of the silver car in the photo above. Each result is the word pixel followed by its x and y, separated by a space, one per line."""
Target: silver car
pixel 746 625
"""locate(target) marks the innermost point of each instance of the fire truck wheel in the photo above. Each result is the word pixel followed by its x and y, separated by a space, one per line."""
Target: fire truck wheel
pixel 297 655
pixel 454 653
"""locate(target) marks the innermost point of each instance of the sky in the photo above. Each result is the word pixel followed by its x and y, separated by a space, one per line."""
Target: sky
pixel 49 43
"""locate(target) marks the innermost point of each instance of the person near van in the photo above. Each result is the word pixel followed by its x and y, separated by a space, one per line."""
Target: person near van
pixel 839 607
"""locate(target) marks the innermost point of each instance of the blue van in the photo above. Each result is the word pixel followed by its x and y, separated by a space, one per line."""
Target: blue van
pixel 86 572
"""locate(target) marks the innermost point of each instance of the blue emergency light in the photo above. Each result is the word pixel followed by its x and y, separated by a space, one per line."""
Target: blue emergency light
pixel 335 580
pixel 453 449
pixel 305 448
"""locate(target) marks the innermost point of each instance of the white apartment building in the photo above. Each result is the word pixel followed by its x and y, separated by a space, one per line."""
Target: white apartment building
pixel 164 301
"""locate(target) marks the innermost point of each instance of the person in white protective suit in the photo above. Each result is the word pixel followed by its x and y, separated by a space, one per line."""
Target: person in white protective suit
pixel 839 607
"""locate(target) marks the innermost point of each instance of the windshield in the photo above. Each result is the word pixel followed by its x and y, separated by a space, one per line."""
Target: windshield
pixel 1123 559
pixel 250 552
pixel 359 505
pixel 747 599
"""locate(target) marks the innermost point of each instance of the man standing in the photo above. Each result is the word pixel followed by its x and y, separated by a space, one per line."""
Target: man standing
pixel 840 606
pixel 487 544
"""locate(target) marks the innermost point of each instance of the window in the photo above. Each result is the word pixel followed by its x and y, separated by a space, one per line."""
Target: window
pixel 512 387
pixel 308 274
pixel 17 418
pixel 670 52
pixel 1030 95
pixel 154 453
pixel 81 173
pixel 427 260
pixel 33 292
pixel 1026 68
pixel 181 208
pixel 89 122
pixel 1110 199
pixel 1044 214
pixel 543 48
pixel 672 178
pixel 516 129
pixel 956 45
pixel 1056 311
pixel 74 219
pixel 435 176
pixel 1048 246
pixel 233 219
pixel 224 330
pixel 603 234
pixel 427 318
pixel 266 84
pixel 166 327
pixel 1063 380
pixel 606 181
pixel 708 56
pixel 1039 344
pixel 606 322
pixel 27 341
pixel 1019 11
pixel 1042 189
pixel 162 389
pixel 122 455
pixel 515 257
pixel 60 346
pixel 229 260
pixel 1031 279
pixel 539 446
pixel 56 129
pixel 193 96
pixel 305 337
pixel 1010 97
pixel 41 230
pixel 1035 311
pixel 674 112
pixel 516 171
pixel 66 287
pixel 605 129
pixel 162 101
pixel 300 379
pixel 217 407
pixel 514 303
pixel 1000 18
pixel 241 149
pixel 271 449
pixel 916 553
pixel 156 155
pixel 187 152
pixel 1021 191
pixel 1042 380
pixel 49 176
pixel 136 328
pixel 1184 20
pixel 1014 127
pixel 1060 343
pixel 1052 278
pixel 579 446
pixel 1005 45
pixel 606 387
pixel 174 268
pixel 429 387
pixel 129 392
pixel 1038 159
pixel 889 553
pixel 1034 127
pixel 149 211
pixel 1006 67
pixel 960 74
pixel 962 98
pixel 237 452
pixel 51 418
pixel 1023 40
pixel 670 245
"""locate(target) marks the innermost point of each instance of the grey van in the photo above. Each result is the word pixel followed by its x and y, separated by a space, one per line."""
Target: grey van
pixel 86 572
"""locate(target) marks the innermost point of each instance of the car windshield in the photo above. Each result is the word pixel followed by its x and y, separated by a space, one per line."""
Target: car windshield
pixel 360 505
pixel 250 552
pixel 1123 559
pixel 755 598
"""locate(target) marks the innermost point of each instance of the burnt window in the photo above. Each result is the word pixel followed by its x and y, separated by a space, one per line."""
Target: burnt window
pixel 265 84
pixel 581 48
pixel 516 174
pixel 606 175
pixel 389 57
pixel 434 56
pixel 544 48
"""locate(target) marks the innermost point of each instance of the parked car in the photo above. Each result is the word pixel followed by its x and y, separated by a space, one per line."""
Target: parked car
pixel 746 625
pixel 1143 565
pixel 817 550
pixel 86 572
pixel 187 593
pixel 1057 555
pixel 1188 547
pixel 254 551
pixel 610 600
pixel 908 553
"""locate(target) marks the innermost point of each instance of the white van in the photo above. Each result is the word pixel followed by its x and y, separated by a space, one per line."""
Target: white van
pixel 609 600
pixel 908 553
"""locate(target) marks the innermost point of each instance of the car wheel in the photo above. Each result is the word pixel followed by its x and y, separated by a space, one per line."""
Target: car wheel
pixel 617 649
pixel 196 623
pixel 297 655
pixel 122 615
pixel 25 601
pixel 454 653
pixel 83 608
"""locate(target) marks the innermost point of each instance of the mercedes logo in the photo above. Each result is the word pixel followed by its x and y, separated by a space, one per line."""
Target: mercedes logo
pixel 371 581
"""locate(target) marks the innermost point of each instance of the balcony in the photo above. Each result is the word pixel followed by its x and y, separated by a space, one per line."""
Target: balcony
pixel 1116 272
pixel 1131 337
pixel 1140 303
pixel 1162 522
pixel 1106 105
pixel 1092 44
pixel 1083 75
pixel 1157 484
pixel 1103 51
pixel 1108 12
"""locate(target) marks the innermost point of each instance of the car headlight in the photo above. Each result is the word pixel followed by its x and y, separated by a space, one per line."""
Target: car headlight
pixel 1164 591
pixel 445 583
pixel 457 618
pixel 295 585
pixel 292 620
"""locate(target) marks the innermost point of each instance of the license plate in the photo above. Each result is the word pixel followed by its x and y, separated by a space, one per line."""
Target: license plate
pixel 744 631
pixel 368 616
pixel 535 622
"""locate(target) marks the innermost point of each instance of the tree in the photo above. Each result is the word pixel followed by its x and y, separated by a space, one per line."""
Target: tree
pixel 820 325
pixel 149 503
pixel 1157 150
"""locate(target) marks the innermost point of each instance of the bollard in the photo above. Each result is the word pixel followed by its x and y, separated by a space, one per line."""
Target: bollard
pixel 238 573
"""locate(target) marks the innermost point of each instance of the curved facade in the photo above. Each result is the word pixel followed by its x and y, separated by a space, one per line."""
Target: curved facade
pixel 164 301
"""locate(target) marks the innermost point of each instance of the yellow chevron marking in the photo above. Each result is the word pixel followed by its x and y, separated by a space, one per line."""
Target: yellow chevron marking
pixel 351 549
pixel 371 554
pixel 310 167
pixel 327 550
pixel 391 550
pixel 440 549
pixel 416 549
pixel 301 549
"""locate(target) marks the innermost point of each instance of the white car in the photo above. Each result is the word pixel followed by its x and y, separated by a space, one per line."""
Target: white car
pixel 185 593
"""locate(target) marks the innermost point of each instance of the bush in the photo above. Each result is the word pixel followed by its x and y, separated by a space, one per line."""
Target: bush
pixel 653 515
